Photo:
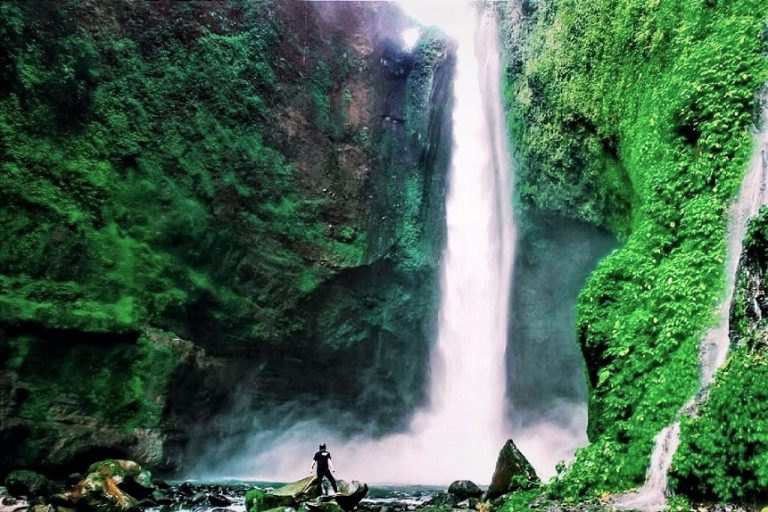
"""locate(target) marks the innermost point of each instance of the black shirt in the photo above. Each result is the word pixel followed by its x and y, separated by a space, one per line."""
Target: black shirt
pixel 322 459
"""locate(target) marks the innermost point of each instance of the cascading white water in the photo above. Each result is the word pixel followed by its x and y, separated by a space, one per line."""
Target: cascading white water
pixel 458 435
pixel 714 348
pixel 461 431
pixel 468 378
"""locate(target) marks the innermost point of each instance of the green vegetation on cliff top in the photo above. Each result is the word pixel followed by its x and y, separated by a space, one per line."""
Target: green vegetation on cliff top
pixel 637 115
pixel 137 180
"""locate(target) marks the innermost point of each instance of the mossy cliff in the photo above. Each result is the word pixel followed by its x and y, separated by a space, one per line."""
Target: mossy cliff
pixel 263 179
pixel 638 116
pixel 723 453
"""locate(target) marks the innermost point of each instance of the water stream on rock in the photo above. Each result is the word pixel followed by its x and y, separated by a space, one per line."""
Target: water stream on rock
pixel 714 347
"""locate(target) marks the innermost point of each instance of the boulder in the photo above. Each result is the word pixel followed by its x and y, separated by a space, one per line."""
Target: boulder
pixel 110 486
pixel 513 472
pixel 322 506
pixel 42 508
pixel 219 500
pixel 253 500
pixel 306 493
pixel 289 495
pixel 469 503
pixel 465 489
pixel 350 493
pixel 30 484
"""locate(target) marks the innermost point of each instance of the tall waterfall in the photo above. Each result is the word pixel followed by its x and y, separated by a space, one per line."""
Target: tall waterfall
pixel 459 433
pixel 714 348
pixel 468 378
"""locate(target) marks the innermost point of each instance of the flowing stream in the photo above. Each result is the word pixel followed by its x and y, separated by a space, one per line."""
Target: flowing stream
pixel 714 347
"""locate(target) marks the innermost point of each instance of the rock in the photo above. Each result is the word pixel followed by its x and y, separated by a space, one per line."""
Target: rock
pixel 513 472
pixel 253 499
pixel 469 503
pixel 42 508
pixel 161 498
pixel 323 506
pixel 218 500
pixel 350 493
pixel 187 488
pixel 442 500
pixel 290 495
pixel 30 484
pixel 105 488
pixel 10 504
pixel 306 494
pixel 198 498
pixel 465 489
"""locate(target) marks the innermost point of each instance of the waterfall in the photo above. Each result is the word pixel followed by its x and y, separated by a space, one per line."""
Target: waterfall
pixel 459 432
pixel 714 347
pixel 468 378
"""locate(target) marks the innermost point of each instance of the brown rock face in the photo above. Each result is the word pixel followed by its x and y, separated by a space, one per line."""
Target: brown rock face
pixel 513 472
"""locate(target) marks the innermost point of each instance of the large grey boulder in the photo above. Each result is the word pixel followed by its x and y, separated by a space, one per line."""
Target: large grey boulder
pixel 513 472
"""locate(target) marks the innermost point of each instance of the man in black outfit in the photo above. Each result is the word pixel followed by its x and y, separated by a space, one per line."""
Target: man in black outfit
pixel 324 467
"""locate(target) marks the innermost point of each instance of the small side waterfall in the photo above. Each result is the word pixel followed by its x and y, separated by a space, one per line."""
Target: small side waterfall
pixel 714 347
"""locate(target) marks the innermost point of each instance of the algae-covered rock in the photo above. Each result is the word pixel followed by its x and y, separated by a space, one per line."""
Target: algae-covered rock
pixel 253 500
pixel 322 506
pixel 513 472
pixel 289 495
pixel 306 493
pixel 30 484
pixel 110 486
pixel 281 509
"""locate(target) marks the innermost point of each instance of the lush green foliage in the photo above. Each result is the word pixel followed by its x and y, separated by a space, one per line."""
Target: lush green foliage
pixel 116 384
pixel 137 176
pixel 521 501
pixel 638 115
pixel 724 450
pixel 220 170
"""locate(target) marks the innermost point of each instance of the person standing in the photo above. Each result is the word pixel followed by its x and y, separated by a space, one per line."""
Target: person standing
pixel 324 465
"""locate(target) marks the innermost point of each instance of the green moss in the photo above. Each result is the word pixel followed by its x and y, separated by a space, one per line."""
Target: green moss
pixel 723 452
pixel 253 500
pixel 121 385
pixel 154 179
pixel 638 115
pixel 521 501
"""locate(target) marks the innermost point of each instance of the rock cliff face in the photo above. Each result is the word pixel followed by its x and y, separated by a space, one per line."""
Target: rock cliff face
pixel 202 201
